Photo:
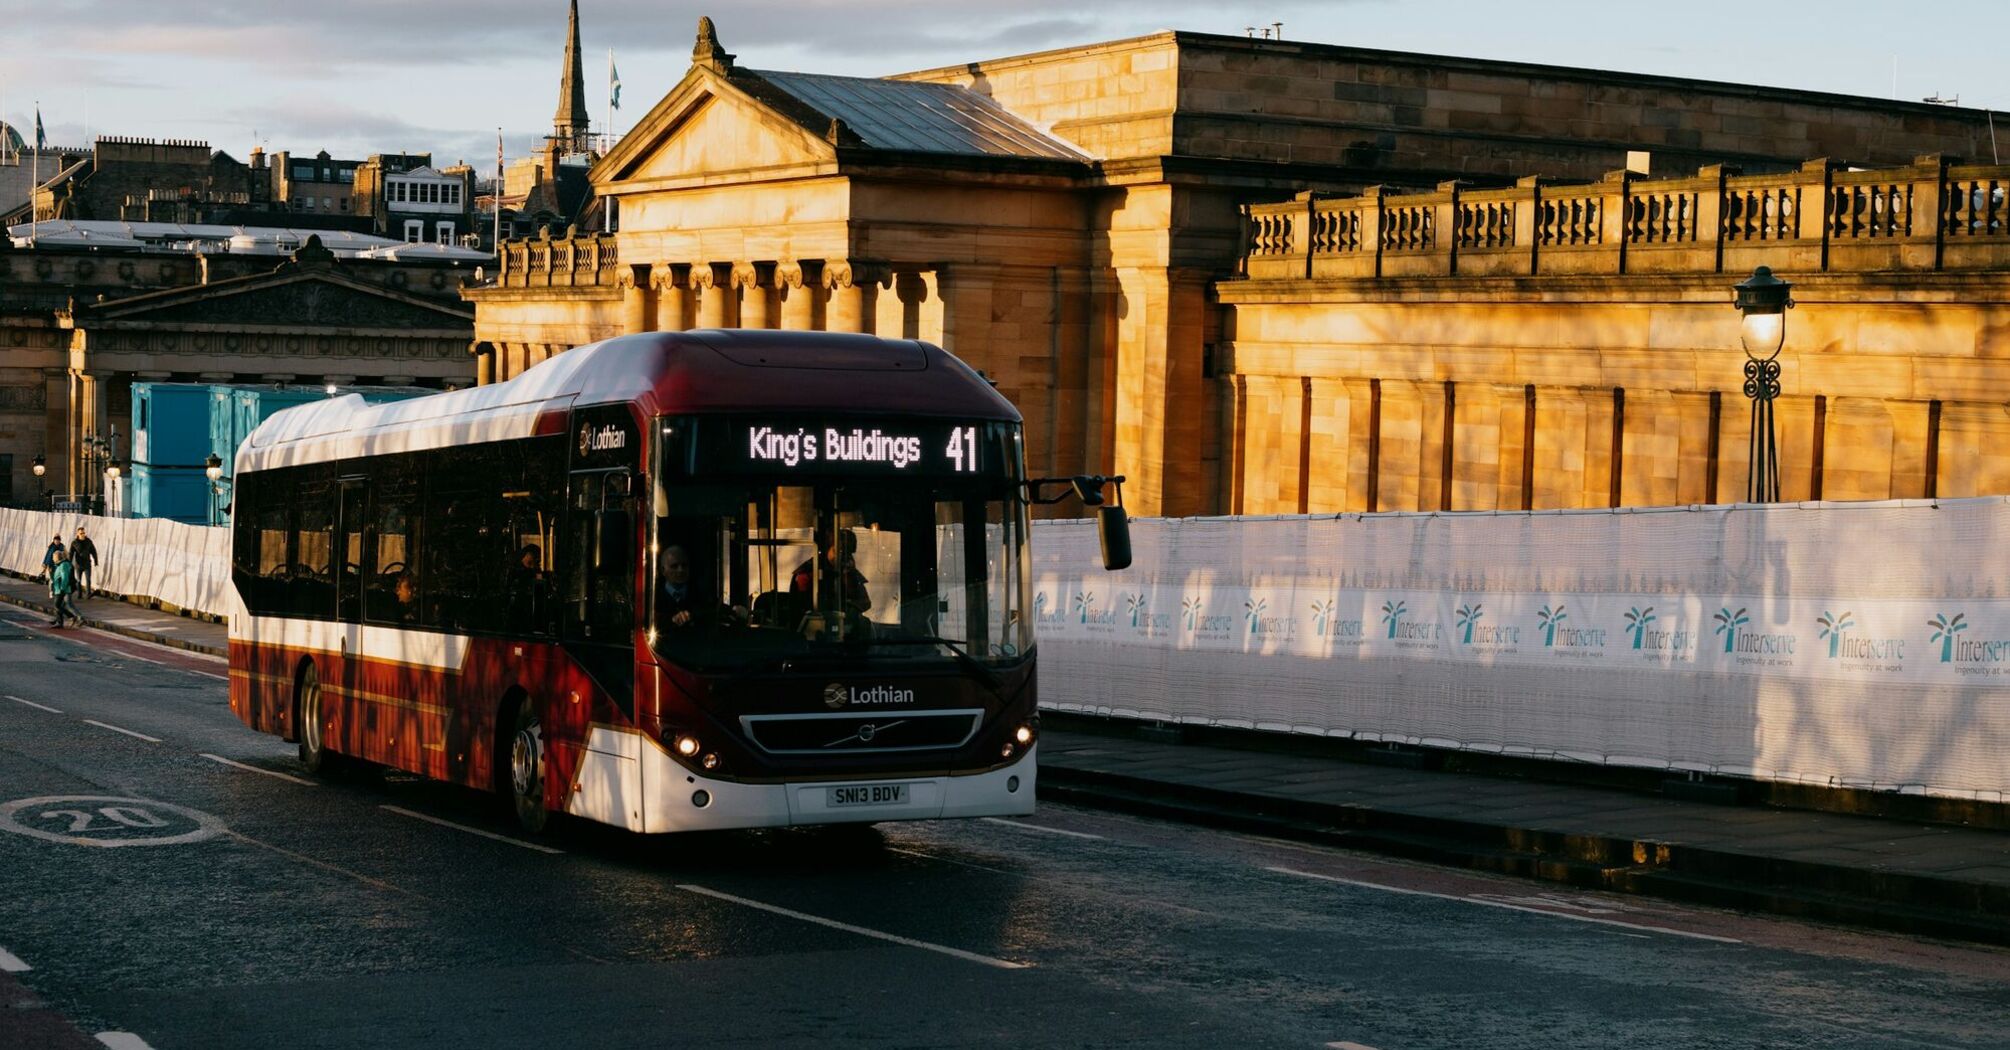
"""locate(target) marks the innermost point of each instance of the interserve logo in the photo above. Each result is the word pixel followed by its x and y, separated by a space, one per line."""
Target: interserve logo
pixel 1834 628
pixel 1557 636
pixel 1737 640
pixel 1954 649
pixel 1472 631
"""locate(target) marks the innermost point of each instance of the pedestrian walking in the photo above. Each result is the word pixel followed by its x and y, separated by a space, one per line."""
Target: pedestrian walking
pixel 62 581
pixel 83 556
pixel 49 555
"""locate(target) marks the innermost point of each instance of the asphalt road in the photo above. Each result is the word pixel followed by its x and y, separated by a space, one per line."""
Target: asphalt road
pixel 245 905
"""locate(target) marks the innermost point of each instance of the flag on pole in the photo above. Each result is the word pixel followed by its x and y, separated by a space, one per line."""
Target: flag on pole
pixel 41 139
pixel 613 83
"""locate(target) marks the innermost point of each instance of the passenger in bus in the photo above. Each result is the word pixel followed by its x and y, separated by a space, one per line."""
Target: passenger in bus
pixel 680 604
pixel 838 585
pixel 405 590
pixel 529 591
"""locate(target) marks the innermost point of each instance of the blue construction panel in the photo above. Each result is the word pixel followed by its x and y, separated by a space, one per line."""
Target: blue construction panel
pixel 178 493
pixel 170 424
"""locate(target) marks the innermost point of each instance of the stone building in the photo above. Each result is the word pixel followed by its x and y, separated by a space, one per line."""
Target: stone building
pixel 82 318
pixel 317 187
pixel 149 180
pixel 1074 223
pixel 408 199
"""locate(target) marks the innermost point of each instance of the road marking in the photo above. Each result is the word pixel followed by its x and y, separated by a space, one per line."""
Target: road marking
pixel 107 821
pixel 255 769
pixel 1021 825
pixel 1503 904
pixel 36 706
pixel 986 960
pixel 11 963
pixel 1345 1045
pixel 116 729
pixel 123 1041
pixel 401 811
pixel 322 864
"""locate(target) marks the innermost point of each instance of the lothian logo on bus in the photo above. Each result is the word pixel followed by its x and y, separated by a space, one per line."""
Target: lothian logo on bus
pixel 604 439
pixel 838 695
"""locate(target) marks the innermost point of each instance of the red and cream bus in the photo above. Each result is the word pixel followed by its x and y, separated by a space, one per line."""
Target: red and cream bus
pixel 713 579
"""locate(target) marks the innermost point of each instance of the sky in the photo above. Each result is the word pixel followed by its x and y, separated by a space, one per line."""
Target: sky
pixel 357 77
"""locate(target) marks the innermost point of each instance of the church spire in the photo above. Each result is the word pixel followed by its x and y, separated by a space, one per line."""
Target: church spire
pixel 569 126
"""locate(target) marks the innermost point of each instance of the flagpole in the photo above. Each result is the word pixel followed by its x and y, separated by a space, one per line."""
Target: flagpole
pixel 35 181
pixel 496 197
pixel 610 101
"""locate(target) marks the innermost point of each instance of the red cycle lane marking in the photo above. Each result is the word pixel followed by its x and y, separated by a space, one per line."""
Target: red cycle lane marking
pixel 167 656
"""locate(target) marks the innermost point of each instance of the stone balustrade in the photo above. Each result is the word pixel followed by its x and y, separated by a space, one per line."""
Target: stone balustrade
pixel 573 261
pixel 1935 214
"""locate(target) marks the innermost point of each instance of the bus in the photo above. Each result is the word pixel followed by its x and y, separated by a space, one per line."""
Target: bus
pixel 670 581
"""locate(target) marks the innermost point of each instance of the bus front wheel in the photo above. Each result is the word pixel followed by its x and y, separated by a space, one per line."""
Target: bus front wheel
pixel 527 770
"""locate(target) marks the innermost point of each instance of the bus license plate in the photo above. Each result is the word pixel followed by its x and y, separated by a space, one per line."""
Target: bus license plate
pixel 866 795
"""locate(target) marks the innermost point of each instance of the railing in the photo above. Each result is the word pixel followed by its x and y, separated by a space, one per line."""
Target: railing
pixel 1933 214
pixel 580 260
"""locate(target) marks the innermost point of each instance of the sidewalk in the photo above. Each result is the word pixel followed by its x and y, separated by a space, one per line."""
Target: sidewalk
pixel 1936 880
pixel 1910 876
pixel 122 617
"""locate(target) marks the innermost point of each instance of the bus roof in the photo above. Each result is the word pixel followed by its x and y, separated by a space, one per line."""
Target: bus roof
pixel 708 370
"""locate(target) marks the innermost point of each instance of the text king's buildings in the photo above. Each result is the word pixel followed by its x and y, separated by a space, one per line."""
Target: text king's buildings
pixel 1099 230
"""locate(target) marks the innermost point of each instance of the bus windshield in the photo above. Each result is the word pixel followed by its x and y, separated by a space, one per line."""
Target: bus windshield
pixel 843 554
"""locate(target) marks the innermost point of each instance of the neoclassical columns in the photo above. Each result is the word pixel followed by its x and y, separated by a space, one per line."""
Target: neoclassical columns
pixel 718 299
pixel 802 295
pixel 854 294
pixel 801 284
pixel 673 296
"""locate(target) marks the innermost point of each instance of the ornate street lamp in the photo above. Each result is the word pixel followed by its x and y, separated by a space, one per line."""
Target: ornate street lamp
pixel 1764 300
pixel 41 488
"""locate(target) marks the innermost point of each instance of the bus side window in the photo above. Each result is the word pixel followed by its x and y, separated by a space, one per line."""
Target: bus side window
pixel 392 583
pixel 310 578
pixel 453 556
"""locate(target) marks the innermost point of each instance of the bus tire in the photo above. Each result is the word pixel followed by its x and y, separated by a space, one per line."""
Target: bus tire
pixel 307 725
pixel 527 769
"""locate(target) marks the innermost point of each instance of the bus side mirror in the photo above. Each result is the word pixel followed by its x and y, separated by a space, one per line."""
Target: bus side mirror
pixel 1113 531
pixel 613 531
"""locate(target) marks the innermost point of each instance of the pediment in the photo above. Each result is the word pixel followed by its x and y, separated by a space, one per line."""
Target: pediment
pixel 708 126
pixel 300 300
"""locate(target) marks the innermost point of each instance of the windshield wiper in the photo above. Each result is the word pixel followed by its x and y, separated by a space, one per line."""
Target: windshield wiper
pixel 963 657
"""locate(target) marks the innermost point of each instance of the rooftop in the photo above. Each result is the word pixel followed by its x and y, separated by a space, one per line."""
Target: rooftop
pixel 212 237
pixel 907 116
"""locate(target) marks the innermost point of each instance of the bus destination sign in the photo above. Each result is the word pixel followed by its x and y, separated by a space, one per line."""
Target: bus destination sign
pixel 917 447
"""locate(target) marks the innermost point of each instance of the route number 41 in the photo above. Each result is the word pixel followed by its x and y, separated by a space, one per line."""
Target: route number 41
pixel 962 449
pixel 81 821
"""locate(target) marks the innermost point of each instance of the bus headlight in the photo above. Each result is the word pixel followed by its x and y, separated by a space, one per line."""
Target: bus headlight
pixel 686 745
pixel 1023 735
pixel 710 761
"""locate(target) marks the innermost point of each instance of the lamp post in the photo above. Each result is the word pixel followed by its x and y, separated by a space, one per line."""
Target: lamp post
pixel 41 487
pixel 1764 300
pixel 213 468
pixel 94 458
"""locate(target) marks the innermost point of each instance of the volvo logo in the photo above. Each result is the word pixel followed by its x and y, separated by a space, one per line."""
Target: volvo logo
pixel 836 696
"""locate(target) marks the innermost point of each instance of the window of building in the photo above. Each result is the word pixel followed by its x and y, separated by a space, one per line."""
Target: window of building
pixel 327 204
pixel 396 191
pixel 445 233
pixel 304 203
pixel 344 202
pixel 415 231
pixel 304 171
pixel 346 175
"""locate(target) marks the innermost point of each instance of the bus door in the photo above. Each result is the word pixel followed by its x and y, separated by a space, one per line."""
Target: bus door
pixel 602 559
pixel 352 509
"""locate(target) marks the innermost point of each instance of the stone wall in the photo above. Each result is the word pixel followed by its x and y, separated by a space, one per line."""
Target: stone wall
pixel 1394 358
